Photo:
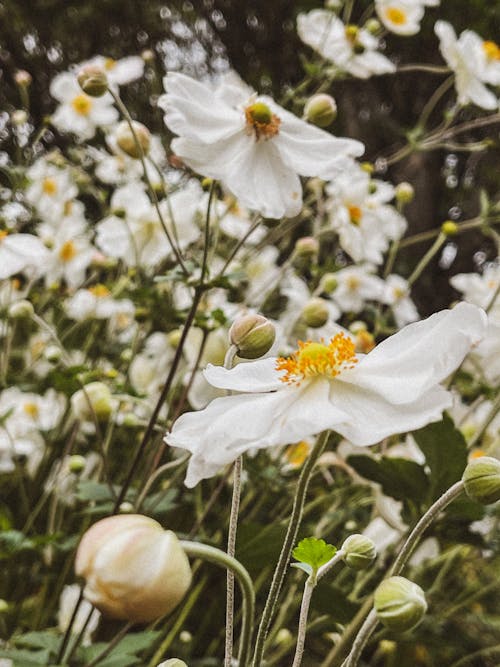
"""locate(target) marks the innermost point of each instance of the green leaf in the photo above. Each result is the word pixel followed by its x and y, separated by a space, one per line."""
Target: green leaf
pixel 314 552
pixel 43 639
pixel 445 452
pixel 400 478
pixel 26 658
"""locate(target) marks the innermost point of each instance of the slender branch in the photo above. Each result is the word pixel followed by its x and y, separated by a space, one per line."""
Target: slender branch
pixel 429 255
pixel 112 644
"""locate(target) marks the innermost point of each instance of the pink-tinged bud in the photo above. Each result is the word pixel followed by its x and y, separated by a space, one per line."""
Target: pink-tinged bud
pixel 133 568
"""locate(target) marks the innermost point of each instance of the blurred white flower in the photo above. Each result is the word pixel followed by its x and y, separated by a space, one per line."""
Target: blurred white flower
pixel 96 302
pixel 118 72
pixel 355 286
pixel 400 16
pixel 21 252
pixel 253 146
pixel 397 295
pixel 67 602
pixel 351 49
pixel 51 187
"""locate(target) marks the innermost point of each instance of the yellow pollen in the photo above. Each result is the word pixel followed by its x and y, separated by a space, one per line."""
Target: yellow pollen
pixel 317 359
pixel 351 33
pixel 82 104
pixel 15 283
pixel 477 454
pixel 67 251
pixel 399 292
pixel 353 283
pixel 396 15
pixel 296 454
pixel 261 121
pixel 109 64
pixel 99 291
pixel 3 233
pixel 364 342
pixel 31 409
pixel 355 214
pixel 492 50
pixel 49 186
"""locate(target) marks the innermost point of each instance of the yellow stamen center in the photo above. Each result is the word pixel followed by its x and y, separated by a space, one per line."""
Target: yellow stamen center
pixel 99 290
pixel 492 50
pixel 49 186
pixel 396 15
pixel 109 64
pixel 317 359
pixel 351 32
pixel 67 251
pixel 296 454
pixel 353 283
pixel 82 104
pixel 355 214
pixel 31 409
pixel 3 234
pixel 68 207
pixel 261 121
pixel 399 293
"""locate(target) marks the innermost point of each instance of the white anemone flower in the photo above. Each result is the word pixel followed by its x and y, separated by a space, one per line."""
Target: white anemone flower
pixel 119 72
pixel 397 295
pixel 393 389
pixel 355 286
pixel 349 48
pixel 475 63
pixel 21 252
pixel 77 112
pixel 254 147
pixel 401 17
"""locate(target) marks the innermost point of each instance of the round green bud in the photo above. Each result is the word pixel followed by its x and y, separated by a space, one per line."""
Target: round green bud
pixel 21 309
pixel 399 604
pixel 126 507
pixel 260 113
pixel 127 142
pixel 252 335
pixel 359 552
pixel 449 228
pixel 306 247
pixel 481 479
pixel 373 26
pixel 321 110
pixel 368 167
pixel 404 192
pixel 93 80
pixel 315 313
pixel 174 337
pixel 328 283
pixel 93 399
pixel 76 464
pixel 4 606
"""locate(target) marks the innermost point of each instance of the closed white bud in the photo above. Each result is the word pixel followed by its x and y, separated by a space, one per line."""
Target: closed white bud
pixel 315 313
pixel 94 400
pixel 404 192
pixel 93 80
pixel 399 604
pixel 127 142
pixel 321 110
pixel 21 309
pixel 133 568
pixel 252 335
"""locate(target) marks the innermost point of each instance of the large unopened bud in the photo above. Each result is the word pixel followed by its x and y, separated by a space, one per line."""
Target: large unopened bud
pixel 252 335
pixel 173 662
pixel 399 604
pixel 126 140
pixel 321 110
pixel 315 313
pixel 481 479
pixel 133 568
pixel 360 552
pixel 93 80
pixel 93 401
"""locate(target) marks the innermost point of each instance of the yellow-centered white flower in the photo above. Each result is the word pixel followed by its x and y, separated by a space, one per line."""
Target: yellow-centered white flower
pixel 393 389
pixel 255 147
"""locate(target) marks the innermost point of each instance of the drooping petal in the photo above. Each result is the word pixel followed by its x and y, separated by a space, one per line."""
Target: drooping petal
pixel 257 376
pixel 406 365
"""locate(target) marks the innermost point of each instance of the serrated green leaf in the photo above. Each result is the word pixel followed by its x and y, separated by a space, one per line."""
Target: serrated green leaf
pixel 314 552
pixel 445 452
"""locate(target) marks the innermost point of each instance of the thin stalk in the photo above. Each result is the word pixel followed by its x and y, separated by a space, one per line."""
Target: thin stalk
pixel 286 550
pixel 434 99
pixel 207 232
pixel 161 400
pixel 112 644
pixel 67 634
pixel 218 557
pixel 495 408
pixel 431 69
pixel 128 118
pixel 429 255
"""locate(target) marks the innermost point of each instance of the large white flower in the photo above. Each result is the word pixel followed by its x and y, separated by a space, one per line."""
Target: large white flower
pixel 393 389
pixel 475 62
pixel 351 49
pixel 255 147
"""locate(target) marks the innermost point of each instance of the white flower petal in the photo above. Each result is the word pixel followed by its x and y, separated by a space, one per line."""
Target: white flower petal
pixel 260 375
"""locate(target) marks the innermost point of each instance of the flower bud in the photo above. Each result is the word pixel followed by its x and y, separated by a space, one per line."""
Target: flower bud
pixel 321 110
pixel 126 141
pixel 449 228
pixel 399 604
pixel 4 606
pixel 94 400
pixel 306 247
pixel 134 570
pixel 19 117
pixel 173 662
pixel 76 464
pixel 52 353
pixel 328 283
pixel 23 78
pixel 360 552
pixel 315 313
pixel 21 309
pixel 481 479
pixel 93 80
pixel 252 335
pixel 404 192
pixel 126 507
pixel 373 26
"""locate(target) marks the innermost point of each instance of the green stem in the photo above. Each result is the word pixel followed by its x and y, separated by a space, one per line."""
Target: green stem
pixel 433 250
pixel 286 550
pixel 219 557
pixel 114 642
pixel 207 232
